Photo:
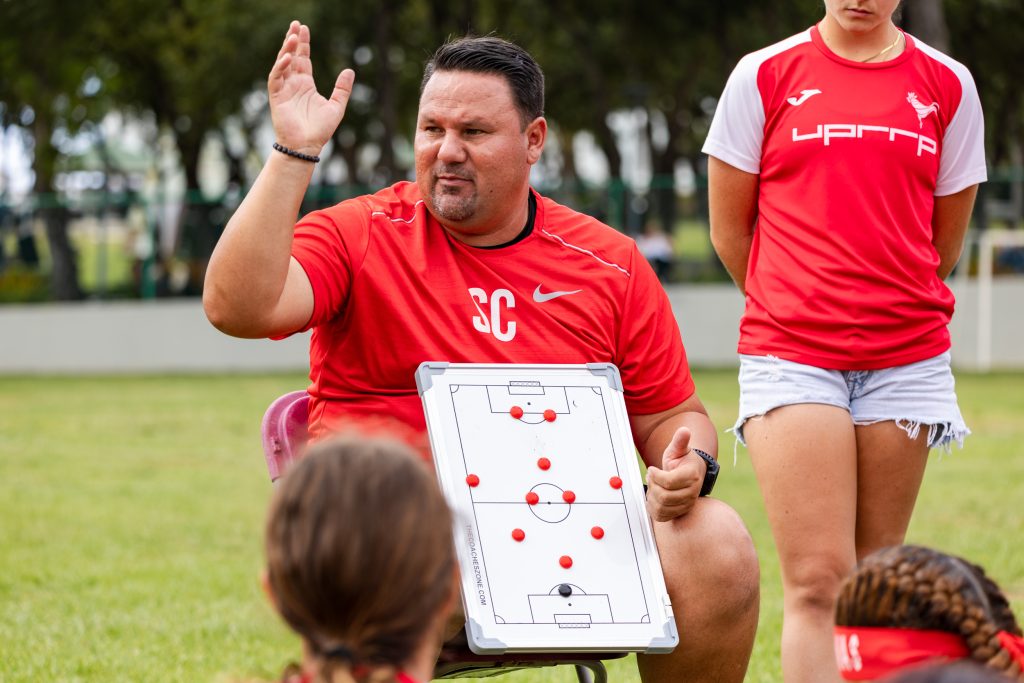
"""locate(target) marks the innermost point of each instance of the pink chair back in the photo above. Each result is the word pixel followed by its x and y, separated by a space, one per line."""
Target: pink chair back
pixel 284 431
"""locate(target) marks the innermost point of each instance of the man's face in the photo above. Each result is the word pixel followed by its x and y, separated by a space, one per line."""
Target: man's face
pixel 473 155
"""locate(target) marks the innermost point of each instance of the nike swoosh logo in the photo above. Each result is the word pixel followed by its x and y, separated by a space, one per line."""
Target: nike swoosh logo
pixel 540 297
pixel 804 94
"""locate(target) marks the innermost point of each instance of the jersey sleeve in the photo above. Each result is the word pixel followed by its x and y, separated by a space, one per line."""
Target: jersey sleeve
pixel 963 146
pixel 650 354
pixel 737 129
pixel 330 245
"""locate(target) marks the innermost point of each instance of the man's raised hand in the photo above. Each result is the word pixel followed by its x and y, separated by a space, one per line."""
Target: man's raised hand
pixel 303 119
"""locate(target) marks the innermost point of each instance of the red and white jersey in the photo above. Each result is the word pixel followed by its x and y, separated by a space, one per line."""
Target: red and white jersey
pixel 392 289
pixel 842 270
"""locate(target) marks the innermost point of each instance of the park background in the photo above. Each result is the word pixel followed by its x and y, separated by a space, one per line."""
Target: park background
pixel 132 487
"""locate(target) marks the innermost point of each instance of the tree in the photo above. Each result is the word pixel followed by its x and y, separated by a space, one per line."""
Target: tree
pixel 985 36
pixel 191 63
pixel 45 57
pixel 926 19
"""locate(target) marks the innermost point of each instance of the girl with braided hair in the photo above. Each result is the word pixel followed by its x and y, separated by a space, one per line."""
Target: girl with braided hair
pixel 360 562
pixel 908 605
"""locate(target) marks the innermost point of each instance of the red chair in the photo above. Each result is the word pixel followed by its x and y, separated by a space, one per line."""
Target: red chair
pixel 284 431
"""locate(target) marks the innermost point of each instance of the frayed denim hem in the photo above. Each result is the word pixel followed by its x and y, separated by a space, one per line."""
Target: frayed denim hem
pixel 940 434
pixel 737 431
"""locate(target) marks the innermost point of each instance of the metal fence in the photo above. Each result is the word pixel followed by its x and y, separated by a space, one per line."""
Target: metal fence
pixel 129 245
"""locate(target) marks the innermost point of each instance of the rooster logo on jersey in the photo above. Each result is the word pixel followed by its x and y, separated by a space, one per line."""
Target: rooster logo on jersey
pixel 922 110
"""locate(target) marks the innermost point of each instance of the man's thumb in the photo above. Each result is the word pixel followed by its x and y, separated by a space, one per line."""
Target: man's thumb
pixel 677 447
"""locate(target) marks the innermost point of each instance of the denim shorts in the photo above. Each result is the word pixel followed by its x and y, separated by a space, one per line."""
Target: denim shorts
pixel 914 395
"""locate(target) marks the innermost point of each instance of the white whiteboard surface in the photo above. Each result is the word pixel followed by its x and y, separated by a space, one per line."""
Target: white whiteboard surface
pixel 554 543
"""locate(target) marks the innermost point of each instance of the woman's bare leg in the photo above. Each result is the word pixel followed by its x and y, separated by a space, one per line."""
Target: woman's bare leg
pixel 805 459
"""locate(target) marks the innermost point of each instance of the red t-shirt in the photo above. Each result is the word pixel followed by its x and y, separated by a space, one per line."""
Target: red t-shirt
pixel 842 270
pixel 393 289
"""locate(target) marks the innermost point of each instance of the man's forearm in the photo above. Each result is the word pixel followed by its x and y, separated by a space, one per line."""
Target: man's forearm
pixel 703 436
pixel 655 432
pixel 247 273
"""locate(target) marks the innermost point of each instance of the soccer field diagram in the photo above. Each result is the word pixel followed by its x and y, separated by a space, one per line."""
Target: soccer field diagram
pixel 554 543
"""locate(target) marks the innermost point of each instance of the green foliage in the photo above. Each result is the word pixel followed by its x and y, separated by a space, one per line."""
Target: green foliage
pixel 131 511
pixel 44 59
pixel 986 36
pixel 19 284
pixel 189 65
pixel 190 62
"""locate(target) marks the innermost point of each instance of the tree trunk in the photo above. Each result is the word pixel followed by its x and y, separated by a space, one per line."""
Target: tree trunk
pixel 449 19
pixel 64 277
pixel 608 144
pixel 565 139
pixel 386 101
pixel 235 163
pixel 64 263
pixel 663 163
pixel 926 20
pixel 350 155
pixel 200 228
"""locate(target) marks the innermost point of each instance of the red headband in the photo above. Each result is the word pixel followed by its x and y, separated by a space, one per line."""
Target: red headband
pixel 1014 645
pixel 865 653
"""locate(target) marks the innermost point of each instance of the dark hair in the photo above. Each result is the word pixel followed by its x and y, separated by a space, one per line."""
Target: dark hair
pixel 955 672
pixel 920 588
pixel 493 55
pixel 360 557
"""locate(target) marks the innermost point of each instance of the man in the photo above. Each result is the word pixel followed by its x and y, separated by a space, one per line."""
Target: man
pixel 468 264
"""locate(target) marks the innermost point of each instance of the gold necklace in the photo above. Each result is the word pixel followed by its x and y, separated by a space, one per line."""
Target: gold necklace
pixel 899 34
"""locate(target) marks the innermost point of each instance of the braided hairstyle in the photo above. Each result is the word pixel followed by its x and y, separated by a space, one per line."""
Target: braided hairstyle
pixel 360 558
pixel 919 588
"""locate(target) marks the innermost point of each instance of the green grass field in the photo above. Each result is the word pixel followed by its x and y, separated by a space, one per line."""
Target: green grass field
pixel 131 511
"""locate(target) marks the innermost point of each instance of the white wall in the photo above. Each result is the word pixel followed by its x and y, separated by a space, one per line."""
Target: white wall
pixel 174 336
pixel 159 336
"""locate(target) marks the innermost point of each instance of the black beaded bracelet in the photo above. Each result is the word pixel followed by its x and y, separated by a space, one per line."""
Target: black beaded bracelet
pixel 297 155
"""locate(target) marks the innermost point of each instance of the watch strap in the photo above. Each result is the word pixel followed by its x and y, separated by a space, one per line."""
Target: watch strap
pixel 711 475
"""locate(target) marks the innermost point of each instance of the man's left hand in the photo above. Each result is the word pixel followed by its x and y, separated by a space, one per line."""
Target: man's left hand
pixel 673 488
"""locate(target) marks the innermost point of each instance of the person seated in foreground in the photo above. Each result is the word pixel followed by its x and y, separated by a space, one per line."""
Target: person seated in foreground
pixel 360 562
pixel 907 606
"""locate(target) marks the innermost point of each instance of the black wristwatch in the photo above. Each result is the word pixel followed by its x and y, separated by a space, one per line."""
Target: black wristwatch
pixel 711 475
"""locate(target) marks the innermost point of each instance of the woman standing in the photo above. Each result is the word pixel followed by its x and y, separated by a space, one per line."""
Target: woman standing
pixel 844 165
